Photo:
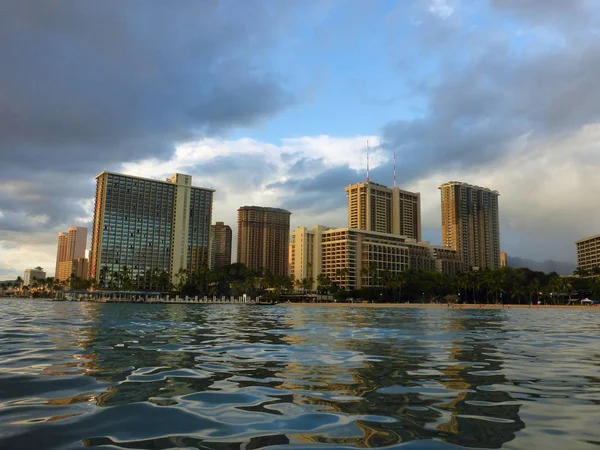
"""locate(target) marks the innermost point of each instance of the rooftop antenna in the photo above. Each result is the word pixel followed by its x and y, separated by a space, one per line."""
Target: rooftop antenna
pixel 394 169
pixel 367 161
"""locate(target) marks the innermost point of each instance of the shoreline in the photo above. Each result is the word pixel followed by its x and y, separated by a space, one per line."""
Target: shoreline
pixel 334 304
pixel 437 306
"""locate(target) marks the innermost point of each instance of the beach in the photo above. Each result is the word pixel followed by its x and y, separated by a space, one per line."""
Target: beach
pixel 437 306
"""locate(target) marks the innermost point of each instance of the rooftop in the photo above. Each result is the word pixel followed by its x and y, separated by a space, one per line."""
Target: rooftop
pixel 266 208
pixel 152 179
pixel 588 238
pixel 460 183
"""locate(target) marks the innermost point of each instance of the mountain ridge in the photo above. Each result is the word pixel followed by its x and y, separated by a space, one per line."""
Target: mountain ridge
pixel 547 266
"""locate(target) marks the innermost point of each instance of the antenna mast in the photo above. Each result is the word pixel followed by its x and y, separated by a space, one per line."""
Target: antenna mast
pixel 394 169
pixel 367 161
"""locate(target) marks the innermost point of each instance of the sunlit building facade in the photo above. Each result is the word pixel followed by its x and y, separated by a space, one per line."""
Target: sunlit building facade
pixel 377 208
pixel 71 245
pixel 263 239
pixel 354 259
pixel 74 267
pixel 503 259
pixel 146 225
pixel 305 253
pixel 588 253
pixel 470 223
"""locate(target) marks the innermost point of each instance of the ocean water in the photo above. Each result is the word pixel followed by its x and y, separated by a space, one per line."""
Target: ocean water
pixel 82 375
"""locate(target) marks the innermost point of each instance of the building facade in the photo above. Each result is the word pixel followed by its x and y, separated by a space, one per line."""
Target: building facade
pixel 588 253
pixel 305 253
pixel 263 239
pixel 77 267
pixel 377 208
pixel 148 225
pixel 503 259
pixel 33 274
pixel 354 259
pixel 221 239
pixel 71 245
pixel 470 223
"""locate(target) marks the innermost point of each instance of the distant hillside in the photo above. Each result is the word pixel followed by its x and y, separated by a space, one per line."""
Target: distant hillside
pixel 560 267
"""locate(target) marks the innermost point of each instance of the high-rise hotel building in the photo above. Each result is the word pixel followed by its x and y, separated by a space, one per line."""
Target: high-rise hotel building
pixel 588 252
pixel 221 239
pixel 305 253
pixel 71 247
pixel 147 225
pixel 263 239
pixel 377 208
pixel 470 223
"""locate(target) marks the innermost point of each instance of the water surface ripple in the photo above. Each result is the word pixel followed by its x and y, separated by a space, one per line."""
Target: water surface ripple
pixel 81 375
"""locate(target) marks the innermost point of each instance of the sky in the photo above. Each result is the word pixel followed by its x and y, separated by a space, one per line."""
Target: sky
pixel 272 104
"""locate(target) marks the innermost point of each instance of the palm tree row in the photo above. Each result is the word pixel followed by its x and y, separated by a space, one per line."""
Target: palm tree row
pixel 506 285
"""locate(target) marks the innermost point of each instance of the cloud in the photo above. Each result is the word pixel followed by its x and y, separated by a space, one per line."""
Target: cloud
pixel 441 8
pixel 476 113
pixel 87 86
pixel 499 93
pixel 131 78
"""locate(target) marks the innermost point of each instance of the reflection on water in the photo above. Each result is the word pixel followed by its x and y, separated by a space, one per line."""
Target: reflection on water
pixel 245 377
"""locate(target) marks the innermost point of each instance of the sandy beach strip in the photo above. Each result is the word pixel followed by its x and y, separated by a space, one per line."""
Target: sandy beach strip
pixel 435 306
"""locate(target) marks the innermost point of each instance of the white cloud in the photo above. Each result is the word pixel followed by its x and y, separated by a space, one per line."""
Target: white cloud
pixel 548 194
pixel 441 8
pixel 15 258
pixel 548 189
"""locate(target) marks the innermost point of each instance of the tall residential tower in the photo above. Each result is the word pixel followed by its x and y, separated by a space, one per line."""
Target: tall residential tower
pixel 148 225
pixel 470 223
pixel 377 208
pixel 221 238
pixel 263 239
pixel 71 246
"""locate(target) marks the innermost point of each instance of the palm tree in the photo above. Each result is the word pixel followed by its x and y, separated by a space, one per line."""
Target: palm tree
pixel 182 278
pixel 463 282
pixel 534 288
pixel 369 272
pixel 306 284
pixel 19 282
pixel 398 281
pixel 517 290
pixel 324 283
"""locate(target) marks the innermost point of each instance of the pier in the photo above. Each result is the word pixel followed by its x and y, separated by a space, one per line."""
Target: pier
pixel 155 297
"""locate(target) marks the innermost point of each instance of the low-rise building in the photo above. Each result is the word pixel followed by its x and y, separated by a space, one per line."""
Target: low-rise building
pixel 78 267
pixel 33 274
pixel 354 259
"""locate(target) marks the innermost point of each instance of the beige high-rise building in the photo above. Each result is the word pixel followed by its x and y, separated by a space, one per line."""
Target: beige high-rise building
pixel 221 238
pixel 377 208
pixel 356 258
pixel 71 245
pixel 305 253
pixel 470 223
pixel 503 259
pixel 263 239
pixel 78 267
pixel 149 225
pixel 588 253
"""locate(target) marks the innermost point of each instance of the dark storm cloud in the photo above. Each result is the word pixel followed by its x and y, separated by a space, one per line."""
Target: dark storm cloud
pixel 78 74
pixel 85 86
